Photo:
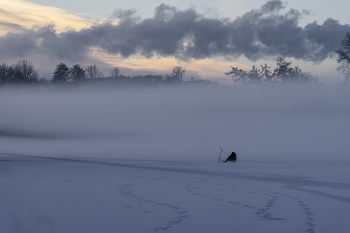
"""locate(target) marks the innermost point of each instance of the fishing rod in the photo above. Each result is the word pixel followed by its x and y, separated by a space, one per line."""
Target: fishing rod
pixel 220 153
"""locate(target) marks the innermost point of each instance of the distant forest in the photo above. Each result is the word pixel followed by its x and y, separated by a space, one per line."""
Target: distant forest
pixel 23 73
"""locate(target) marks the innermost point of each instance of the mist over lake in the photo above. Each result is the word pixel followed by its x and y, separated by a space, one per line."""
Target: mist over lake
pixel 282 122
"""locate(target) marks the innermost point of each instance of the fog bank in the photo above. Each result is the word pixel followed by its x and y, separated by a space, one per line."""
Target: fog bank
pixel 178 123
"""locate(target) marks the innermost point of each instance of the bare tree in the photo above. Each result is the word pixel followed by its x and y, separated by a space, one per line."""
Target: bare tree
pixel 178 72
pixel 254 76
pixel 285 73
pixel 115 72
pixel 24 72
pixel 93 72
pixel 344 58
pixel 176 76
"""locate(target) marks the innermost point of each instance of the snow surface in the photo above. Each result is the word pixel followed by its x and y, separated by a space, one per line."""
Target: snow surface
pixel 46 194
pixel 147 160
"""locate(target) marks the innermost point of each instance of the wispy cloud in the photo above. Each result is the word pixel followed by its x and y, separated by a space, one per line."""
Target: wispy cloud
pixel 17 15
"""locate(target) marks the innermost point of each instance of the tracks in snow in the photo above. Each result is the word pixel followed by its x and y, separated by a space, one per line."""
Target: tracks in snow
pixel 180 214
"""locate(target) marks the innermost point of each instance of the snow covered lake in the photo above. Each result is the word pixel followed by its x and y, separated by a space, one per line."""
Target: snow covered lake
pixel 147 161
pixel 84 195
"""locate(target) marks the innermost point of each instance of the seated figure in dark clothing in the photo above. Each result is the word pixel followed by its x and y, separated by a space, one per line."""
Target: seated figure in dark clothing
pixel 231 158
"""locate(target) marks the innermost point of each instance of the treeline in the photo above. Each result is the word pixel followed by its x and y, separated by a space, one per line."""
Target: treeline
pixel 24 73
pixel 64 74
pixel 283 73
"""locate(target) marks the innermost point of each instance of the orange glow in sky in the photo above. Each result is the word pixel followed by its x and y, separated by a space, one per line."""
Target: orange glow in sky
pixel 17 16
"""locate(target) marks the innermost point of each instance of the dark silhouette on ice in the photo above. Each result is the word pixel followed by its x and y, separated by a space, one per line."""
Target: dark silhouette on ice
pixel 231 158
pixel 221 150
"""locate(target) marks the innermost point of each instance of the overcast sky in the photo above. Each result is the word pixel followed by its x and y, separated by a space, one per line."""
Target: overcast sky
pixel 193 35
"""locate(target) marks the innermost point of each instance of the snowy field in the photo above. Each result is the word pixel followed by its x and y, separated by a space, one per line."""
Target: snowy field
pixel 83 195
pixel 147 160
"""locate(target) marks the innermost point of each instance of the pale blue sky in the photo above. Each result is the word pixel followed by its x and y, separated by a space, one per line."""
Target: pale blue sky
pixel 321 10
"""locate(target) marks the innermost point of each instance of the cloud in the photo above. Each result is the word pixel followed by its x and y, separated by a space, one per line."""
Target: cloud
pixel 11 27
pixel 16 15
pixel 18 45
pixel 268 32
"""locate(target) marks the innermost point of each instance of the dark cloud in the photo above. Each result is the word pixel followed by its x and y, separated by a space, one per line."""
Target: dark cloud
pixel 18 44
pixel 11 26
pixel 269 31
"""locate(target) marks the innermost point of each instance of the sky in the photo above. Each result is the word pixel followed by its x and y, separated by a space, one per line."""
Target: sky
pixel 205 37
